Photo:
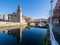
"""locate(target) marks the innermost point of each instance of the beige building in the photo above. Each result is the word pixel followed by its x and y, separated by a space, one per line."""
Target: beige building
pixel 5 17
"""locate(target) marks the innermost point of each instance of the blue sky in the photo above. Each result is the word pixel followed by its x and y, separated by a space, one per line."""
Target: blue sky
pixel 30 8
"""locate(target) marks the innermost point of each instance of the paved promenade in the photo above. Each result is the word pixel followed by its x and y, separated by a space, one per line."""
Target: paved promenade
pixel 9 24
pixel 56 31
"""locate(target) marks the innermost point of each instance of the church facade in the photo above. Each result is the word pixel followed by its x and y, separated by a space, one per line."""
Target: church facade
pixel 15 16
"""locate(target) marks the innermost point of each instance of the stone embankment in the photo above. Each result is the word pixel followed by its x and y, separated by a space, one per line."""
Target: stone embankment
pixel 10 24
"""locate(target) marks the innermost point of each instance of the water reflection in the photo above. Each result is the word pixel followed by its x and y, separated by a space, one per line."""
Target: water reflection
pixel 6 39
pixel 21 31
pixel 33 36
pixel 23 36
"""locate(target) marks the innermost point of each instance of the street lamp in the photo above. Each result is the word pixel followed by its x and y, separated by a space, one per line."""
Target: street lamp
pixel 51 7
pixel 51 11
pixel 51 21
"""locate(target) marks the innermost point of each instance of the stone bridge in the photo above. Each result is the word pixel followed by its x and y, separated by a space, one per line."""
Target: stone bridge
pixel 37 23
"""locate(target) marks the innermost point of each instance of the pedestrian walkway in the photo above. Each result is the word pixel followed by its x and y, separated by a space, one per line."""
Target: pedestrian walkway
pixel 56 31
pixel 52 37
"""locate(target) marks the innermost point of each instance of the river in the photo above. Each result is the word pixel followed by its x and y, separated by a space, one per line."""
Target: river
pixel 30 36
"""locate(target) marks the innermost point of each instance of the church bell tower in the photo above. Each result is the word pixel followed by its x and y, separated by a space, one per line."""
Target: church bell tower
pixel 19 11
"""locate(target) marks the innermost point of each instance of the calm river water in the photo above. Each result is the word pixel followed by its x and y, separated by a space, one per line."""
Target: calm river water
pixel 30 36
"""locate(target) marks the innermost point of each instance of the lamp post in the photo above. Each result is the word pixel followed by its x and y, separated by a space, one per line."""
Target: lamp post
pixel 51 12
pixel 51 35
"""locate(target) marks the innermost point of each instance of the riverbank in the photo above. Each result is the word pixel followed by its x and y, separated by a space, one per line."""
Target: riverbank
pixel 47 39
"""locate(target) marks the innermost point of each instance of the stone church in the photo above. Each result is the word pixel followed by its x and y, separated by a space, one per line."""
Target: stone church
pixel 15 16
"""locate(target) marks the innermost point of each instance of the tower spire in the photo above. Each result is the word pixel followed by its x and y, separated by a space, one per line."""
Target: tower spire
pixel 19 8
pixel 19 11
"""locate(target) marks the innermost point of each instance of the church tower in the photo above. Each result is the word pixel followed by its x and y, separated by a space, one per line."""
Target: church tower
pixel 19 11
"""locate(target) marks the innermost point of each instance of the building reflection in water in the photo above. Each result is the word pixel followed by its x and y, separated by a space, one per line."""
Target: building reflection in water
pixel 21 31
pixel 16 32
pixel 25 34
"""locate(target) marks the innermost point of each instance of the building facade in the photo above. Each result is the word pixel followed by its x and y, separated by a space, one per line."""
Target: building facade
pixel 15 16
pixel 56 13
